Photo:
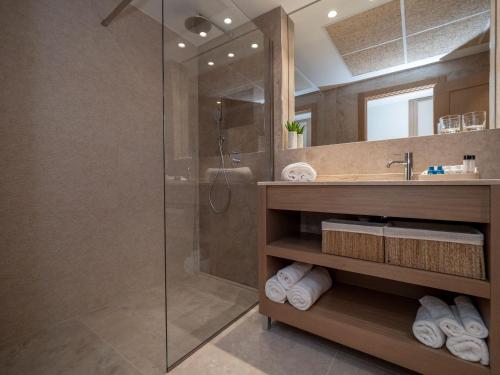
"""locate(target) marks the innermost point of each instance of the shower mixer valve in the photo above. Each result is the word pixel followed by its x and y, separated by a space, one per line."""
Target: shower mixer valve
pixel 235 157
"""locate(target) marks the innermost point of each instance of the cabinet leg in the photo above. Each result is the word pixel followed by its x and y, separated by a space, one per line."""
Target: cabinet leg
pixel 266 322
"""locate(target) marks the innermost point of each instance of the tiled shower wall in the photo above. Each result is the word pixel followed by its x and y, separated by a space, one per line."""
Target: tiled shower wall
pixel 81 221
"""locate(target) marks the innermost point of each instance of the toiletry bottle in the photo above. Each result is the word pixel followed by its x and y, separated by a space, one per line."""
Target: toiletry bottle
pixel 472 163
pixel 466 164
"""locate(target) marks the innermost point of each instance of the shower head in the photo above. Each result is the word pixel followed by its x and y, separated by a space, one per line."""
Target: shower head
pixel 198 24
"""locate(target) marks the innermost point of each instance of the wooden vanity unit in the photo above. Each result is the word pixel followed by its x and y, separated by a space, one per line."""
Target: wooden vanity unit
pixel 372 306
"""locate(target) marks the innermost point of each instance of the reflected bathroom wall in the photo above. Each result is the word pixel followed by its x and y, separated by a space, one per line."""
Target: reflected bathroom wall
pixel 81 218
pixel 228 238
pixel 217 145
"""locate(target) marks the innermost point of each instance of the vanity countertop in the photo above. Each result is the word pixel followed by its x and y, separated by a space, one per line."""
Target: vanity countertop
pixel 480 182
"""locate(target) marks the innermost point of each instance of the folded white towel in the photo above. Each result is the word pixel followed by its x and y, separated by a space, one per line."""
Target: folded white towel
pixel 291 274
pixel 426 330
pixel 469 348
pixel 307 291
pixel 443 316
pixel 471 318
pixel 300 172
pixel 275 291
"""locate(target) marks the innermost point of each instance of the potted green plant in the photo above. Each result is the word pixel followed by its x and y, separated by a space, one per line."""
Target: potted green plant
pixel 292 127
pixel 300 136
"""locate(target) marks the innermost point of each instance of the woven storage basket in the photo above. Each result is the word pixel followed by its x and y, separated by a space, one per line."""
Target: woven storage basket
pixel 450 249
pixel 354 239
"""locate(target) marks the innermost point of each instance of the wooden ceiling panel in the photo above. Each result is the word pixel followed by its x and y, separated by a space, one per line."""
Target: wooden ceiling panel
pixel 375 26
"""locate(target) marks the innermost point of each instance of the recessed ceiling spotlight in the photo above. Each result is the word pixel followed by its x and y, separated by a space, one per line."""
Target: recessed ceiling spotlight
pixel 219 102
pixel 203 34
pixel 211 63
pixel 332 14
pixel 230 55
pixel 255 45
pixel 181 45
pixel 228 21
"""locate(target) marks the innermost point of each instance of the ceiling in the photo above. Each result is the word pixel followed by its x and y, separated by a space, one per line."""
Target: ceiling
pixel 240 12
pixel 216 10
pixel 366 39
pixel 369 38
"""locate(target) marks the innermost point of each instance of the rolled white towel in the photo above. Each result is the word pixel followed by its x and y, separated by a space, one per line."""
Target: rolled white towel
pixel 307 291
pixel 426 330
pixel 291 274
pixel 300 172
pixel 469 348
pixel 275 291
pixel 449 323
pixel 471 318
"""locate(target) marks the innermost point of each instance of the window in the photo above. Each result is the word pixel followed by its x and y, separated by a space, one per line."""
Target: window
pixel 400 115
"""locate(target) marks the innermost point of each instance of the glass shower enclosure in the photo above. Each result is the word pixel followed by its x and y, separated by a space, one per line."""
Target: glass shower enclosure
pixel 217 134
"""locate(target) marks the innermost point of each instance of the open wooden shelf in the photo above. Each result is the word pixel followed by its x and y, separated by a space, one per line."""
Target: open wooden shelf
pixel 307 248
pixel 375 323
pixel 372 306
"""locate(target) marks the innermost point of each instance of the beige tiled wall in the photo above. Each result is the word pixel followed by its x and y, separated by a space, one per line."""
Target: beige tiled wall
pixel 81 220
pixel 371 157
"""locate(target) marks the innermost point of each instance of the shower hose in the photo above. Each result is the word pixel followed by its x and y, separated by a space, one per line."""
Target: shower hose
pixel 220 169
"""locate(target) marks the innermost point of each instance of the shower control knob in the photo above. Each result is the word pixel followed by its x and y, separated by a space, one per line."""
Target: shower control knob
pixel 235 157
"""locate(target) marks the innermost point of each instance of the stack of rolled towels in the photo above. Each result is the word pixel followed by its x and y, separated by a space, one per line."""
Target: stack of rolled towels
pixel 460 326
pixel 300 284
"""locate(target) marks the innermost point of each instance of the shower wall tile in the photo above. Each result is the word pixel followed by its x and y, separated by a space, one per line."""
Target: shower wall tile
pixel 81 219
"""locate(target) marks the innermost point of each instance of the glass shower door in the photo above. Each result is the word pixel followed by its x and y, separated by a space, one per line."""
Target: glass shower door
pixel 217 146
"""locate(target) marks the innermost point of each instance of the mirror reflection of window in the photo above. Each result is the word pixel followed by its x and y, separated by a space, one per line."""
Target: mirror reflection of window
pixel 363 48
pixel 400 115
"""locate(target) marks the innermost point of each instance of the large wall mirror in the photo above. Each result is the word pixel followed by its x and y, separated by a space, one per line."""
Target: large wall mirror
pixel 385 69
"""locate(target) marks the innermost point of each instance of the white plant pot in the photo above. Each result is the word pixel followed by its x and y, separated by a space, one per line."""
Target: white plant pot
pixel 292 139
pixel 300 140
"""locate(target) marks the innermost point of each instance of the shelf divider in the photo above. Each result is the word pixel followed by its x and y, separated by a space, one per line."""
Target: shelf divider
pixel 307 248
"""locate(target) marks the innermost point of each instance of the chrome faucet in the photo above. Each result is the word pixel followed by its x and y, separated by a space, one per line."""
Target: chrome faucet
pixel 408 163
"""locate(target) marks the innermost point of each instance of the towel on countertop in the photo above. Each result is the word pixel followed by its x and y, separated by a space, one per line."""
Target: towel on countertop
pixel 291 274
pixel 471 318
pixel 299 172
pixel 444 317
pixel 307 291
pixel 426 330
pixel 275 291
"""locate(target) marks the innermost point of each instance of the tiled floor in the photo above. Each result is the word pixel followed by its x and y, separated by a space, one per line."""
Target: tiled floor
pixel 129 337
pixel 129 340
pixel 245 348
